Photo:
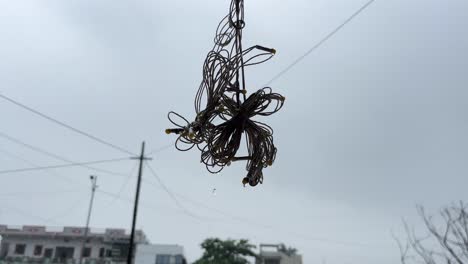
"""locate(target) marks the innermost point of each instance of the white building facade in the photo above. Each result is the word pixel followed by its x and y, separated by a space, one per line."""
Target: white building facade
pixel 271 254
pixel 160 254
pixel 38 244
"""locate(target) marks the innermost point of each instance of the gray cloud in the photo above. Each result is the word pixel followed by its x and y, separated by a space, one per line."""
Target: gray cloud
pixel 375 120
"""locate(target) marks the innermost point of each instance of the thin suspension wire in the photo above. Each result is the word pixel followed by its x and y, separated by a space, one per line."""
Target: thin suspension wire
pixel 52 173
pixel 81 132
pixel 144 204
pixel 52 155
pixel 77 204
pixel 265 226
pixel 157 150
pixel 29 215
pixel 169 192
pixel 49 172
pixel 62 165
pixel 320 43
pixel 34 148
pixel 29 194
pixel 124 184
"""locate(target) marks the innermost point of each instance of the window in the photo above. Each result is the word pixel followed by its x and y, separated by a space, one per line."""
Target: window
pixel 108 253
pixel 63 253
pixel 102 252
pixel 163 259
pixel 20 249
pixel 48 252
pixel 38 250
pixel 179 259
pixel 86 252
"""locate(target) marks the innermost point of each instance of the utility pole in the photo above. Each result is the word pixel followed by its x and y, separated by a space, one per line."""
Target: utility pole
pixel 141 158
pixel 93 190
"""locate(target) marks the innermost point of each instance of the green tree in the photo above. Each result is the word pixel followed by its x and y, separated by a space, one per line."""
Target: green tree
pixel 229 251
pixel 287 250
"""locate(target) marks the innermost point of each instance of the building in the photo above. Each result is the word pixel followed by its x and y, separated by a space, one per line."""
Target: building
pixel 160 254
pixel 274 254
pixel 38 244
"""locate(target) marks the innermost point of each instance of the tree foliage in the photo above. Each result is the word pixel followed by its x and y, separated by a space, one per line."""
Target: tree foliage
pixel 217 251
pixel 287 250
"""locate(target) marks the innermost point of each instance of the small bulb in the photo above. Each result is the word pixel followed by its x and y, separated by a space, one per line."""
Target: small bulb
pixel 245 181
pixel 168 131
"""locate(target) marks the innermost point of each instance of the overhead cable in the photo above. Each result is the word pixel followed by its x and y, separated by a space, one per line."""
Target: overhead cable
pixel 320 43
pixel 62 165
pixel 169 192
pixel 63 124
pixel 55 156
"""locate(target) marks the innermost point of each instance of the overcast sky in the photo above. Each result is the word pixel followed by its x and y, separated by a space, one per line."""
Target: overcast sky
pixel 374 123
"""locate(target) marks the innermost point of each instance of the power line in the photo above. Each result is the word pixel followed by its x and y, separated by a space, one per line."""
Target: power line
pixel 119 193
pixel 111 194
pixel 169 192
pixel 156 150
pixel 250 222
pixel 52 155
pixel 37 149
pixel 29 194
pixel 228 215
pixel 51 173
pixel 75 205
pixel 144 204
pixel 62 165
pixel 49 219
pixel 28 214
pixel 58 122
pixel 316 46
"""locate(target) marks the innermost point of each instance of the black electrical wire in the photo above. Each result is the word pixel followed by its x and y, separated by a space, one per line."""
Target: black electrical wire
pixel 320 43
pixel 171 194
pixel 66 125
pixel 29 215
pixel 224 112
pixel 69 210
pixel 157 150
pixel 49 172
pixel 29 194
pixel 124 184
pixel 55 156
pixel 62 165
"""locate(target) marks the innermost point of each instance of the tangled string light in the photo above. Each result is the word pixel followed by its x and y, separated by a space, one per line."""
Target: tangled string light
pixel 224 112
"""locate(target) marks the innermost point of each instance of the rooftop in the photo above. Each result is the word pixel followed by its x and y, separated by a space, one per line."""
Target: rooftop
pixel 68 231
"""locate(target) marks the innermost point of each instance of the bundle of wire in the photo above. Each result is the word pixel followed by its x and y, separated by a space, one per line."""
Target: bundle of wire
pixel 224 112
